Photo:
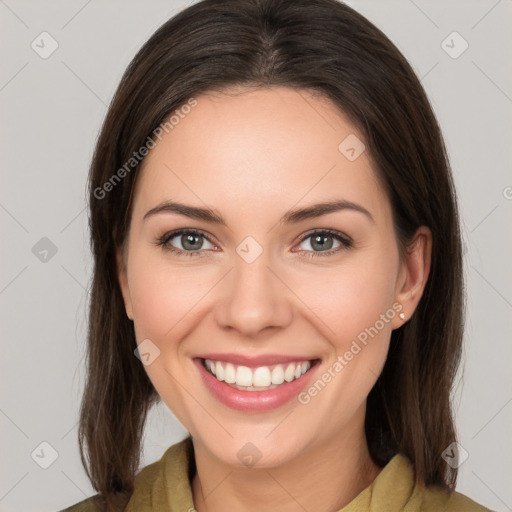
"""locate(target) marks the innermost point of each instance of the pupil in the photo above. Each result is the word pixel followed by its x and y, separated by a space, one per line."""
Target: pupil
pixel 322 245
pixel 189 240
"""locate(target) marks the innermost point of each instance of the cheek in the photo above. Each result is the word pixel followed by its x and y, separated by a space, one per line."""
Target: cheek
pixel 163 301
pixel 353 310
pixel 165 298
pixel 153 293
pixel 349 298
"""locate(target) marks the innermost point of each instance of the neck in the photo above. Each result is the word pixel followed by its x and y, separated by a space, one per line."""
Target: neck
pixel 325 477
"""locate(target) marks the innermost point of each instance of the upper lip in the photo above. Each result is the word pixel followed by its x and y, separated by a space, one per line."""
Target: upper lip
pixel 254 361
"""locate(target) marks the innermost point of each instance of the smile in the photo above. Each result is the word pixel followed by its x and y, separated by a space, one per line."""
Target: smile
pixel 258 387
pixel 256 379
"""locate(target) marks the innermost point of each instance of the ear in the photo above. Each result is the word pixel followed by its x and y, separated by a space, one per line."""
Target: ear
pixel 123 283
pixel 413 275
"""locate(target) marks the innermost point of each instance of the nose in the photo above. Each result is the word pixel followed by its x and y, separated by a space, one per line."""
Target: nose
pixel 253 299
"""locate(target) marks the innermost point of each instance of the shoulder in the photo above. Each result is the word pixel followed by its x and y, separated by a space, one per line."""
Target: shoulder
pixel 97 504
pixel 91 504
pixel 438 500
pixel 397 479
pixel 152 483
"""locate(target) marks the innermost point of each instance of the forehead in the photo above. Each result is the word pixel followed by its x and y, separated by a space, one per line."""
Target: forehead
pixel 246 152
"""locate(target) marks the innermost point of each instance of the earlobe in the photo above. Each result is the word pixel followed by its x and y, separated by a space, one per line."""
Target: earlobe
pixel 123 284
pixel 414 274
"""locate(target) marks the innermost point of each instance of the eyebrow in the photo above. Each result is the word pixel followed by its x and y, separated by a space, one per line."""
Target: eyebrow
pixel 294 216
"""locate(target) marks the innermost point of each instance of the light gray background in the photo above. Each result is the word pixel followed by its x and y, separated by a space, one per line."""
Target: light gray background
pixel 51 111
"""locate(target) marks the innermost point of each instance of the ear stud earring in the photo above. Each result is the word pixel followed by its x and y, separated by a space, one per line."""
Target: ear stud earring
pixel 402 316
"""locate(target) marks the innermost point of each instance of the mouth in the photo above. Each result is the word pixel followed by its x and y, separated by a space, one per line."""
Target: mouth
pixel 261 378
pixel 250 387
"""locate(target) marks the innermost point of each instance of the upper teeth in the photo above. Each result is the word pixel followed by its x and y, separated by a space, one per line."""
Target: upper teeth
pixel 261 377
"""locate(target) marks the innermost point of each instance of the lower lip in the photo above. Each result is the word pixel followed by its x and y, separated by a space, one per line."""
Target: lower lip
pixel 254 400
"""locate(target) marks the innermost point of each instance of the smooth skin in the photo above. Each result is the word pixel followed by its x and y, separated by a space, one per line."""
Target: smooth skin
pixel 251 155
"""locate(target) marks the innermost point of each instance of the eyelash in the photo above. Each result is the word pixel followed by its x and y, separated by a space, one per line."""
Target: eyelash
pixel 346 242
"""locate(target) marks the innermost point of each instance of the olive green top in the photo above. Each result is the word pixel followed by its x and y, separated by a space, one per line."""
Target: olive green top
pixel 165 486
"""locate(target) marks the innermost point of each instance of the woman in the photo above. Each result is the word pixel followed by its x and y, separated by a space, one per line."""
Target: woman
pixel 276 239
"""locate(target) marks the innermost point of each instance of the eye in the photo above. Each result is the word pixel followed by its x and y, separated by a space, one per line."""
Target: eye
pixel 190 242
pixel 324 240
pixel 187 242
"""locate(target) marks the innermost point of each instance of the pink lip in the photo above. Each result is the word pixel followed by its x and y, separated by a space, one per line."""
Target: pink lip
pixel 254 400
pixel 254 362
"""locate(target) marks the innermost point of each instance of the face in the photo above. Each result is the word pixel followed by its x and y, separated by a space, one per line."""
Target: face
pixel 303 304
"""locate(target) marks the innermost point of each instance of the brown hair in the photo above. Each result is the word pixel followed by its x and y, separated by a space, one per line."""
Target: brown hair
pixel 322 46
